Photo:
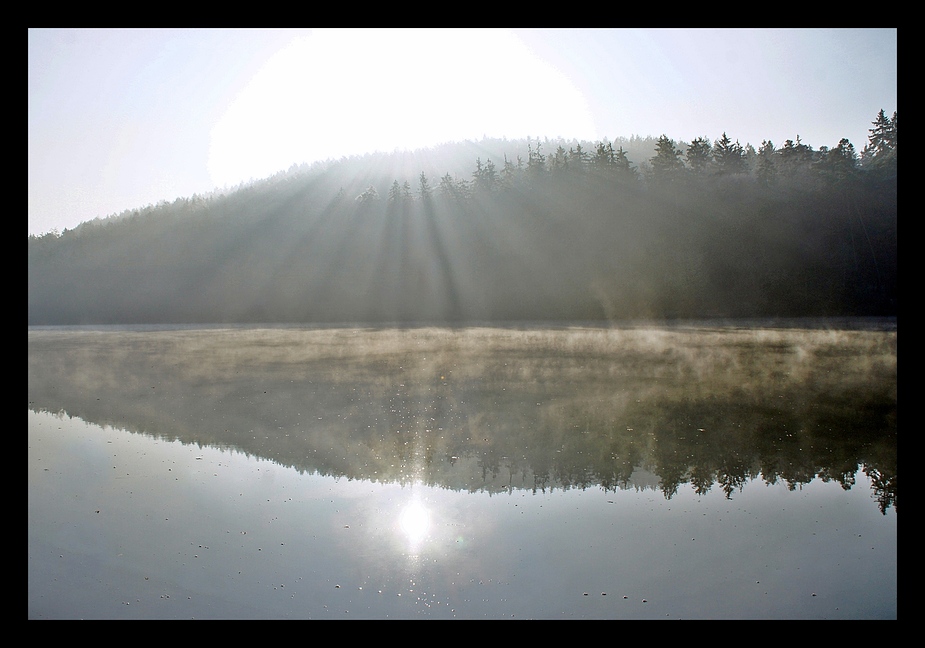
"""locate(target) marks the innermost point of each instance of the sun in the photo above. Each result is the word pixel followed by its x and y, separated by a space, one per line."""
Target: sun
pixel 343 92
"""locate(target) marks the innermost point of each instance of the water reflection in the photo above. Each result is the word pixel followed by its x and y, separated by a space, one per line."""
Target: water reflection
pixel 131 526
pixel 500 410
pixel 414 523
pixel 471 473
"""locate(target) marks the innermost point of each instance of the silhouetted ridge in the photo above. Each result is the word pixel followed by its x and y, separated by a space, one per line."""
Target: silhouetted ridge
pixel 500 230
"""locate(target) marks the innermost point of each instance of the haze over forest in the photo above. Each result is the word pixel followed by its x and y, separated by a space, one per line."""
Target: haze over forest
pixel 499 230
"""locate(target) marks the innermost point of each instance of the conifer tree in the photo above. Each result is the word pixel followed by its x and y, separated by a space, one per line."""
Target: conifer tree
pixel 699 155
pixel 840 163
pixel 883 134
pixel 508 174
pixel 536 161
pixel 794 158
pixel 880 152
pixel 625 169
pixel 666 163
pixel 728 156
pixel 485 178
pixel 447 186
pixel 578 158
pixel 395 192
pixel 765 170
pixel 604 156
pixel 489 176
pixel 558 162
pixel 424 187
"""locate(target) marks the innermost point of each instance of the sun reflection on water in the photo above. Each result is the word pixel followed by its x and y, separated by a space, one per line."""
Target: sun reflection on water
pixel 415 524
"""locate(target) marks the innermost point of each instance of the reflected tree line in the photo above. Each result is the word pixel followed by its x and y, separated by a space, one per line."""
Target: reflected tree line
pixel 501 411
pixel 538 229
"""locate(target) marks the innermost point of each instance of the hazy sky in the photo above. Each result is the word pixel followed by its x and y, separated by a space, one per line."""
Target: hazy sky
pixel 122 118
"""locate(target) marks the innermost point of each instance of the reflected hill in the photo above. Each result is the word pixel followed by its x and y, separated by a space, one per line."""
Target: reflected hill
pixel 499 409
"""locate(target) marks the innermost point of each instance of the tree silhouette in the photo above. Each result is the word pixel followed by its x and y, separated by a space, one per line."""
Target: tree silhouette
pixel 395 192
pixel 765 169
pixel 424 188
pixel 839 164
pixel 728 156
pixel 883 134
pixel 879 155
pixel 536 161
pixel 666 163
pixel 699 155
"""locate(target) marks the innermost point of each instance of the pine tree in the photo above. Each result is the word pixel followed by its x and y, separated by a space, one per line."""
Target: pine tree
pixel 578 158
pixel 558 162
pixel 508 174
pixel 794 158
pixel 536 161
pixel 604 156
pixel 699 155
pixel 883 134
pixel 729 157
pixel 625 170
pixel 395 192
pixel 489 176
pixel 463 189
pixel 424 187
pixel 880 152
pixel 840 163
pixel 765 169
pixel 447 187
pixel 485 178
pixel 614 163
pixel 666 163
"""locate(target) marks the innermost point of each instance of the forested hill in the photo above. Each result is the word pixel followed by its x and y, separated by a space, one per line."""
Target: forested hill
pixel 501 230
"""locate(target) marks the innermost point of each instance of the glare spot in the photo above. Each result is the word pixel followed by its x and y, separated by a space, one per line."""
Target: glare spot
pixel 415 523
pixel 344 92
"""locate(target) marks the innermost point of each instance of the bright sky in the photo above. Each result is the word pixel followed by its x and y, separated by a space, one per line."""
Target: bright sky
pixel 123 118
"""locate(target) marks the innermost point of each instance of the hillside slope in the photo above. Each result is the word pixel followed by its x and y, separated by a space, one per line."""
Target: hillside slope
pixel 396 238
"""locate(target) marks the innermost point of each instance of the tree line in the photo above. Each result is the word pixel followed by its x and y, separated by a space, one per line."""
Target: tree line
pixel 538 229
pixel 793 163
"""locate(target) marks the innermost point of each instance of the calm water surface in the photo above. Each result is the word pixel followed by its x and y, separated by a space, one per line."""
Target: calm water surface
pixel 353 473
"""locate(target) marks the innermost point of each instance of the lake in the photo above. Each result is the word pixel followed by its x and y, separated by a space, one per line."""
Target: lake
pixel 702 470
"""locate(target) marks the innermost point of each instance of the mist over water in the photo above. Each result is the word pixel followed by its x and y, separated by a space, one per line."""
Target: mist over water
pixel 405 438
